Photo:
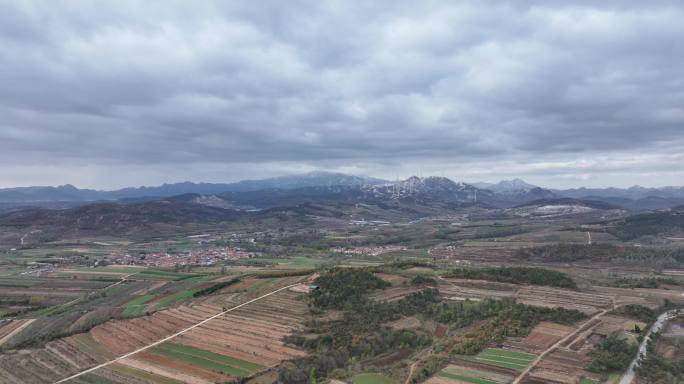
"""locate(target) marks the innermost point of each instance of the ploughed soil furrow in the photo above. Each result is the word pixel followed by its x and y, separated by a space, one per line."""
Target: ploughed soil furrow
pixel 112 341
pixel 119 377
pixel 158 328
pixel 258 336
pixel 85 342
pixel 294 307
pixel 274 314
pixel 9 327
pixel 267 315
pixel 281 301
pixel 29 365
pixel 199 311
pixel 570 297
pixel 70 354
pixel 134 332
pixel 260 327
pixel 249 327
pixel 151 331
pixel 163 371
pixel 487 367
pixel 227 351
pixel 243 345
pixel 258 322
pixel 253 332
pixel 181 366
pixel 135 338
pixel 265 347
pixel 223 300
pixel 167 318
pixel 208 309
pixel 52 363
pixel 8 375
pixel 17 373
pixel 189 315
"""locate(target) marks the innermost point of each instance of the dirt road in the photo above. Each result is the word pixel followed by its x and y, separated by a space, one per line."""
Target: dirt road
pixel 559 343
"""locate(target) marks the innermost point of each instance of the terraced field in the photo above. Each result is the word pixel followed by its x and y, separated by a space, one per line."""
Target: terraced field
pixel 503 358
pixel 237 344
pixel 589 303
pixel 463 372
pixel 137 306
pixel 542 337
pixel 8 328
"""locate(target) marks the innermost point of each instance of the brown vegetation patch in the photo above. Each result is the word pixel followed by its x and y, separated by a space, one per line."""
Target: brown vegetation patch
pixel 410 322
pixel 391 357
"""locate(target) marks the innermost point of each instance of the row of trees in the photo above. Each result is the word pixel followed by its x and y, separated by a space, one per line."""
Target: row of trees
pixel 342 288
pixel 659 257
pixel 652 223
pixel 517 275
pixel 218 286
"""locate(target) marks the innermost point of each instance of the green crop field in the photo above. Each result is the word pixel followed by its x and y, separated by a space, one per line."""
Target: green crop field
pixel 164 275
pixel 293 262
pixel 117 270
pixel 260 284
pixel 465 378
pixel 371 378
pixel 137 306
pixel 208 360
pixel 147 376
pixel 502 358
pixel 183 295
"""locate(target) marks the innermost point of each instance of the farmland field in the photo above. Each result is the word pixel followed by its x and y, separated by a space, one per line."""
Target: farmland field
pixel 503 358
pixel 371 378
pixel 137 305
pixel 238 344
pixel 164 275
pixel 172 299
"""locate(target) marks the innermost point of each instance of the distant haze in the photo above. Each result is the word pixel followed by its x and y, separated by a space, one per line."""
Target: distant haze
pixel 561 94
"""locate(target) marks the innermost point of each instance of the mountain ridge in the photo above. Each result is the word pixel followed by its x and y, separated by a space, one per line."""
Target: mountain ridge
pixel 504 193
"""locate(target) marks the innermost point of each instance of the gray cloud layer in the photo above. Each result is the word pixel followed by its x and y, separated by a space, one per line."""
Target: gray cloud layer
pixel 106 94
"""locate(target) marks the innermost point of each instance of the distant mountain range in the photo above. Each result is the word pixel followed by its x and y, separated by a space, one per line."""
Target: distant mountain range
pixel 324 186
pixel 71 193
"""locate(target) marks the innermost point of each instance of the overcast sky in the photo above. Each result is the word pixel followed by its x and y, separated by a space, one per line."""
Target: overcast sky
pixel 560 93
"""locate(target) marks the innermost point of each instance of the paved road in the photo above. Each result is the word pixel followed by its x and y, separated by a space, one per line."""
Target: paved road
pixel 628 376
pixel 172 336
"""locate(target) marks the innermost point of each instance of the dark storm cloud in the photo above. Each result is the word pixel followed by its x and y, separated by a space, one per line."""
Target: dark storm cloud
pixel 105 94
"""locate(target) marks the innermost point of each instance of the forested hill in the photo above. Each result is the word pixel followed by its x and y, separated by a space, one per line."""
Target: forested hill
pixel 670 222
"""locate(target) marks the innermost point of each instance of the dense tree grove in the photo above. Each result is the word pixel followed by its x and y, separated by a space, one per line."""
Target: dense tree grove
pixel 517 275
pixel 362 332
pixel 504 318
pixel 612 355
pixel 423 280
pixel 652 223
pixel 344 287
pixel 216 287
pixel 638 312
pixel 658 257
pixel 657 369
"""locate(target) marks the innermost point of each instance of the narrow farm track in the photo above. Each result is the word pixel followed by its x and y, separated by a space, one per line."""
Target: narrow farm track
pixel 181 332
pixel 558 344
